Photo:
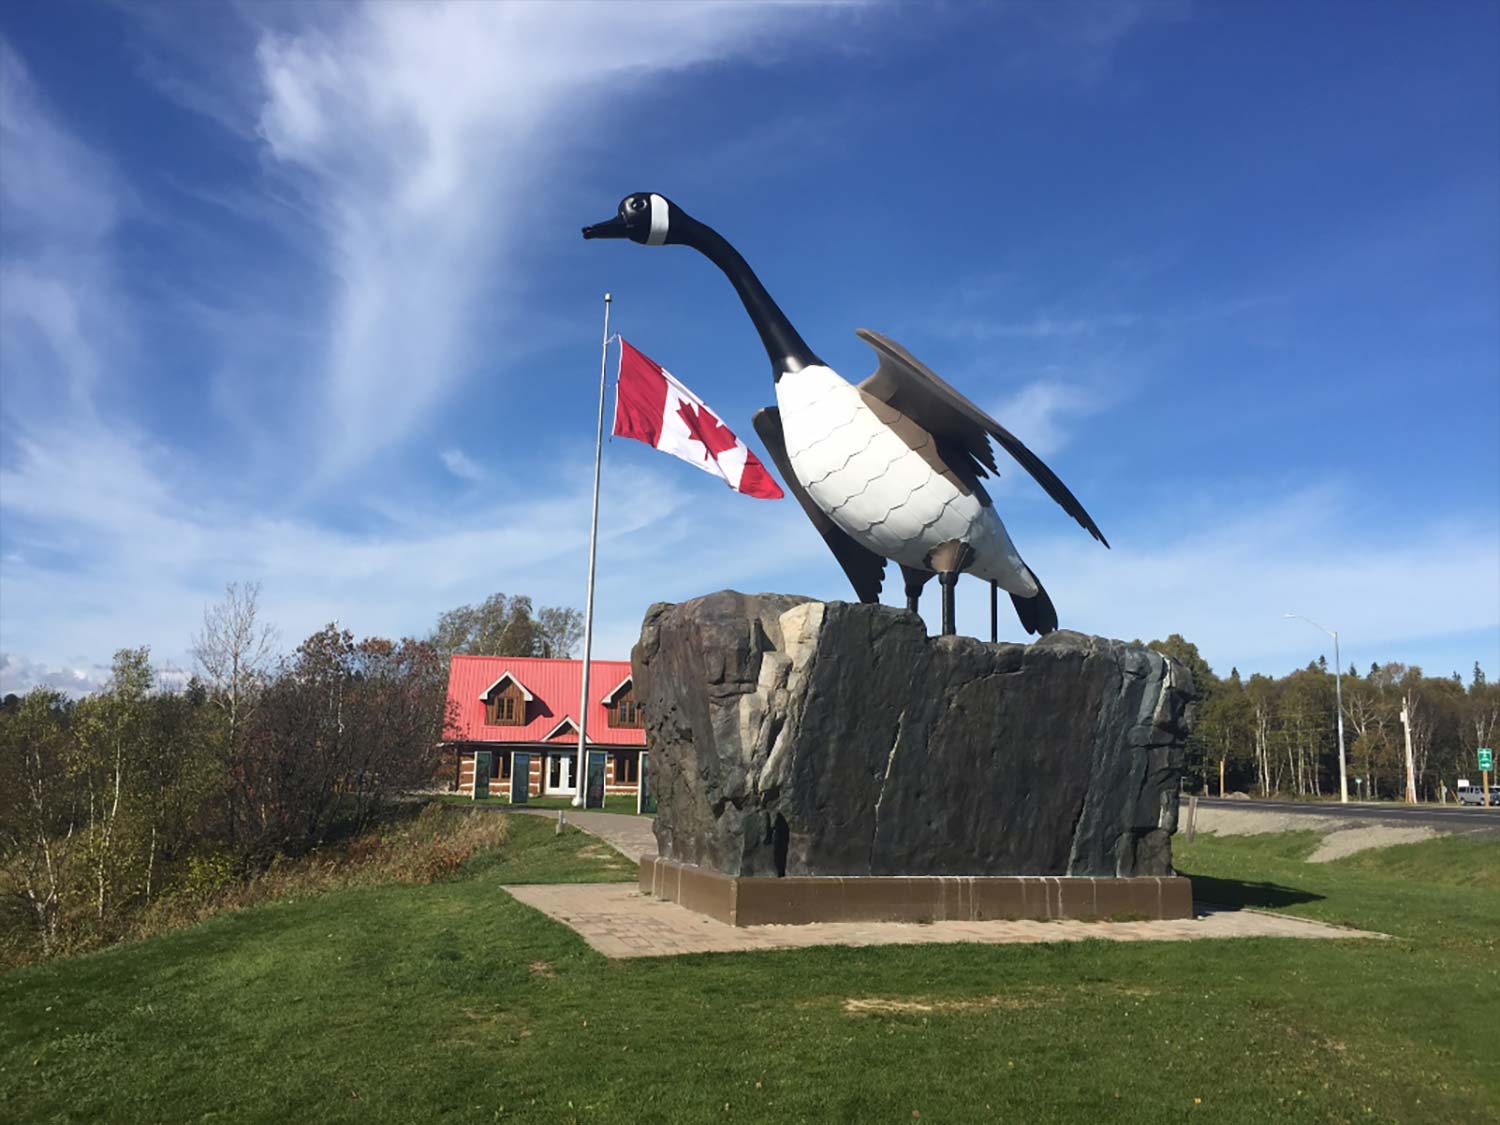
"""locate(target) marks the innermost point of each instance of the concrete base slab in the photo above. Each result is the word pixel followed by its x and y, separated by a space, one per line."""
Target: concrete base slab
pixel 619 921
pixel 805 900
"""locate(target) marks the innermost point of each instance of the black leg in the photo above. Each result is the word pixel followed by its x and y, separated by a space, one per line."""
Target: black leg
pixel 948 581
pixel 994 613
pixel 914 593
pixel 949 560
pixel 915 580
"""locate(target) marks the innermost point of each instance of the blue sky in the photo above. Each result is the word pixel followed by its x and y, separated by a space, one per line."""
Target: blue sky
pixel 296 295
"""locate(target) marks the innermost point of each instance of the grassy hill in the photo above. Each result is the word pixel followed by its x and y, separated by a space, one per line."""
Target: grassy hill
pixel 453 1002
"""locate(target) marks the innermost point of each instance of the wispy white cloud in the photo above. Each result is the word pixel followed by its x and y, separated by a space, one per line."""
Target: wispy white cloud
pixel 423 136
pixel 1222 576
pixel 1078 40
pixel 1041 412
pixel 19 675
pixel 156 554
pixel 59 205
pixel 1042 326
pixel 55 190
pixel 414 137
pixel 457 462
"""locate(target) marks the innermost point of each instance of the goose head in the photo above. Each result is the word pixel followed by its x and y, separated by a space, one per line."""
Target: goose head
pixel 644 217
pixel 653 220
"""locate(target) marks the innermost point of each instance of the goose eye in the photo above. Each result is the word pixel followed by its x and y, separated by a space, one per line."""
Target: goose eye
pixel 637 204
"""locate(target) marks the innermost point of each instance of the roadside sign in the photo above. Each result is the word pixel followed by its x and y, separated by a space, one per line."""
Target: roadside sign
pixel 1486 758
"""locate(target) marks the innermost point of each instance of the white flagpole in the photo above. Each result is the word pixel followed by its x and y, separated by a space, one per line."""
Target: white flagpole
pixel 580 776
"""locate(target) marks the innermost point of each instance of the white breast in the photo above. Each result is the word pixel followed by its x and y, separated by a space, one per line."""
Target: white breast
pixel 863 463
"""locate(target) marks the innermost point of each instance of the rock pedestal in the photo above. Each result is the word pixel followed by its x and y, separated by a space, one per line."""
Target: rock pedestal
pixel 791 737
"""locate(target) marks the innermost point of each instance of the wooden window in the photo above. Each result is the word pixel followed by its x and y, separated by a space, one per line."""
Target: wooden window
pixel 504 766
pixel 506 708
pixel 626 712
pixel 627 768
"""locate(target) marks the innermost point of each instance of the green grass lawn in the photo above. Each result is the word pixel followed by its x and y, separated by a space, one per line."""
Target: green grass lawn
pixel 454 1002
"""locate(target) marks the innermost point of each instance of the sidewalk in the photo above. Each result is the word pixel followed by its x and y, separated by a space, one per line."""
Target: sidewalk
pixel 618 921
pixel 631 836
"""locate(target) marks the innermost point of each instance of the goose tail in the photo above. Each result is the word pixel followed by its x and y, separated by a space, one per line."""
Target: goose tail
pixel 1037 613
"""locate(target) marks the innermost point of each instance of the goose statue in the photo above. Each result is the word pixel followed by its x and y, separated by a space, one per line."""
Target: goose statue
pixel 889 469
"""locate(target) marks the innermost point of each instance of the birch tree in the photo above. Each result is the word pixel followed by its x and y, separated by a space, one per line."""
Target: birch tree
pixel 235 651
pixel 38 810
pixel 110 729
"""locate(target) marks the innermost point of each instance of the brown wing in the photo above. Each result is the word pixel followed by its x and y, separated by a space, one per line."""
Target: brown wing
pixel 956 423
pixel 866 569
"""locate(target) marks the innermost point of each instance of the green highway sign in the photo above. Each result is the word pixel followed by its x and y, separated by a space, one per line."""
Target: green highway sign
pixel 1486 759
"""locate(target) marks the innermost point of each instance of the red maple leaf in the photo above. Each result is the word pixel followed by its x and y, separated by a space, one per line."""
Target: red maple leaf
pixel 705 429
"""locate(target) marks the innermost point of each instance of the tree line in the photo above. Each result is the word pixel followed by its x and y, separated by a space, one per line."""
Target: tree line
pixel 144 791
pixel 1279 736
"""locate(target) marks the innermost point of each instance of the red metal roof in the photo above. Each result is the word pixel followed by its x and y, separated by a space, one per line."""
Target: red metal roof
pixel 554 685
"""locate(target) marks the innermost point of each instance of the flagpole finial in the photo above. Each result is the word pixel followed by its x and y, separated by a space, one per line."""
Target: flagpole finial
pixel 608 298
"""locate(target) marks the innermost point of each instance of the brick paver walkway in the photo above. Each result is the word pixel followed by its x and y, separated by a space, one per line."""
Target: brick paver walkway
pixel 618 921
pixel 631 836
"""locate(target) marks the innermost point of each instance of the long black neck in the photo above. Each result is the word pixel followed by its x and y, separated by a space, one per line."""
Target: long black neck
pixel 785 348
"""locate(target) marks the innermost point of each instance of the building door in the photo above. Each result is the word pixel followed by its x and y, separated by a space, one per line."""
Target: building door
pixel 520 778
pixel 483 769
pixel 560 773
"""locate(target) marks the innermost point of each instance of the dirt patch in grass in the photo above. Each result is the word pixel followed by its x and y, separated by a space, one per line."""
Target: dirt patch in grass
pixel 1336 845
pixel 541 969
pixel 1026 998
pixel 1260 822
pixel 894 1006
pixel 1340 839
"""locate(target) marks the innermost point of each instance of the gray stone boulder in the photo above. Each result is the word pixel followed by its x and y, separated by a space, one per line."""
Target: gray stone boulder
pixel 795 737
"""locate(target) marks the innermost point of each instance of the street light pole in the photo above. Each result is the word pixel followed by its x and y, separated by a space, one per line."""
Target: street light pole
pixel 1338 695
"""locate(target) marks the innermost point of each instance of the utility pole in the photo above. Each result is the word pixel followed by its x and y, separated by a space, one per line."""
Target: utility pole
pixel 1338 701
pixel 1411 774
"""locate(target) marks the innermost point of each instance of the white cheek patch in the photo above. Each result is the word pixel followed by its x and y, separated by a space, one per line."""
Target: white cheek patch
pixel 659 220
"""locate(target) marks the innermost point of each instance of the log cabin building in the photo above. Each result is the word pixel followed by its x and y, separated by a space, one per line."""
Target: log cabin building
pixel 522 711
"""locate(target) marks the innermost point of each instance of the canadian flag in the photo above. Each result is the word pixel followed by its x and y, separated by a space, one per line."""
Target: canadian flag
pixel 653 407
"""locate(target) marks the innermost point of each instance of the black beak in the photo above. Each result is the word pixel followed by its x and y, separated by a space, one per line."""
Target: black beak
pixel 611 228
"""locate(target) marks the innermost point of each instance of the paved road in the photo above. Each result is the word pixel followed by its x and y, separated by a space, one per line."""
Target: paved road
pixel 1445 818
